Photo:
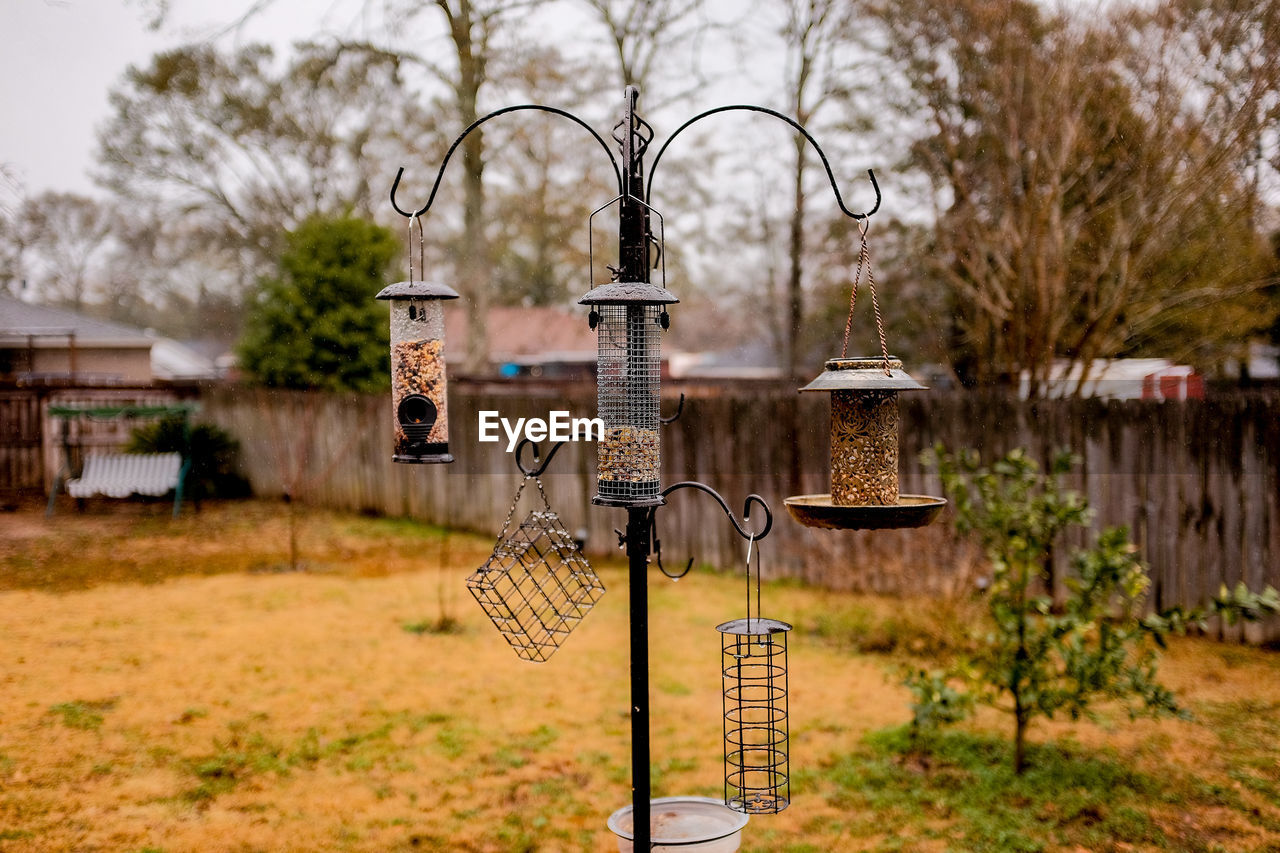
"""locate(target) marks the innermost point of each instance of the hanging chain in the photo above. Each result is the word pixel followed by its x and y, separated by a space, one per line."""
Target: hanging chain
pixel 853 292
pixel 515 503
pixel 864 260
pixel 545 503
pixel 506 524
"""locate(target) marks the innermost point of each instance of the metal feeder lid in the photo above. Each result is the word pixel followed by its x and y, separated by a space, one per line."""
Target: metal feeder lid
pixel 628 293
pixel 417 290
pixel 863 374
pixel 753 627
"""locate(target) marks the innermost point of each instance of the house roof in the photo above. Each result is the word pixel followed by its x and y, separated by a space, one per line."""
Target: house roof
pixel 44 326
pixel 524 335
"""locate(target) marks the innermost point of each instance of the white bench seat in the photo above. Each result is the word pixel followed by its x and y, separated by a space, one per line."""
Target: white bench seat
pixel 119 475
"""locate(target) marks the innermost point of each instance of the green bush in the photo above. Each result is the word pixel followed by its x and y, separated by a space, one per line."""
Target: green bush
pixel 211 449
pixel 1041 658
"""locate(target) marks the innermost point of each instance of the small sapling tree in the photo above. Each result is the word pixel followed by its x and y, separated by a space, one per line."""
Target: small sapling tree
pixel 1036 659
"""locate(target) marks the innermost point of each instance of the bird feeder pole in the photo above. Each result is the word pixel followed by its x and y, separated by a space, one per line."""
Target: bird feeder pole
pixel 638 489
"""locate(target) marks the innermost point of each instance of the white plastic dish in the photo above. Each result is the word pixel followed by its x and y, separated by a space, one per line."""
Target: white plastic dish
pixel 683 825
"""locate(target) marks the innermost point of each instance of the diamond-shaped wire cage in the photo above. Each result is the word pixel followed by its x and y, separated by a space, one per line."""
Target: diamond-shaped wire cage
pixel 536 586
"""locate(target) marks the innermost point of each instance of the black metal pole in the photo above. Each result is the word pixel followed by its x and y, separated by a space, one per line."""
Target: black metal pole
pixel 633 254
pixel 638 588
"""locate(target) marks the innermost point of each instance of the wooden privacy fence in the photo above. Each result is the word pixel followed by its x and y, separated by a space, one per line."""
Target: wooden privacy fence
pixel 20 443
pixel 1197 482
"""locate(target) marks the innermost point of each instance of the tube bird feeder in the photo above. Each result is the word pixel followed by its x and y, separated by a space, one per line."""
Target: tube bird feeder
pixel 629 318
pixel 418 381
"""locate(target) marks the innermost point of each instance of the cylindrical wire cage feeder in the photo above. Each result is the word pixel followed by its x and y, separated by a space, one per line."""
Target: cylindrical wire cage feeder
pixel 418 381
pixel 629 318
pixel 754 663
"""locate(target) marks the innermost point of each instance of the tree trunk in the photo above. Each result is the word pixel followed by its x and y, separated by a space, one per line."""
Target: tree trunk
pixel 795 251
pixel 1019 739
pixel 473 261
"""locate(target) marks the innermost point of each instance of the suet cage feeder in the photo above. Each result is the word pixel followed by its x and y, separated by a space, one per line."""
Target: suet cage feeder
pixel 536 586
pixel 756 730
pixel 864 450
pixel 418 380
pixel 629 318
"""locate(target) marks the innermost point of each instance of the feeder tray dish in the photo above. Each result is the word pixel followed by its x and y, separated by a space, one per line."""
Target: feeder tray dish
pixel 819 511
pixel 693 824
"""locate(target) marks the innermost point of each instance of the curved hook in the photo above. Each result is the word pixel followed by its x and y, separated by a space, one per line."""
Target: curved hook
pixel 679 411
pixel 535 472
pixel 449 154
pixel 795 124
pixel 657 552
pixel 746 508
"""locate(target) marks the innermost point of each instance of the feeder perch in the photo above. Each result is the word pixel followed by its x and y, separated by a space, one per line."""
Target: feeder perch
pixel 629 318
pixel 864 451
pixel 418 383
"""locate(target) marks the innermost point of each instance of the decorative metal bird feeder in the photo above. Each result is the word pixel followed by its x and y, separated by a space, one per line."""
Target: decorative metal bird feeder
pixel 629 318
pixel 536 586
pixel 418 383
pixel 864 437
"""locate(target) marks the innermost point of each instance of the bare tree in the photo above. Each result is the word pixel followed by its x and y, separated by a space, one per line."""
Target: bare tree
pixel 228 138
pixel 58 244
pixel 641 31
pixel 818 40
pixel 1066 204
pixel 1225 56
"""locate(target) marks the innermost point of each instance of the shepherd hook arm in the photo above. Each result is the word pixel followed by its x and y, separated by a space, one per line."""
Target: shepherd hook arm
pixel 799 128
pixel 617 174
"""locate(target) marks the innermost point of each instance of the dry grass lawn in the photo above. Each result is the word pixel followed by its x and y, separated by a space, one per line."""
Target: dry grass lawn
pixel 166 686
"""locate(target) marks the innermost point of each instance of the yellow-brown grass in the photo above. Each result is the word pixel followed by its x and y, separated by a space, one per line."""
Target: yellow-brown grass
pixel 228 706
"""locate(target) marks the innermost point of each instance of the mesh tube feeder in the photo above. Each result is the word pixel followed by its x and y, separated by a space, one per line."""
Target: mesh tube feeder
pixel 418 381
pixel 864 451
pixel 629 318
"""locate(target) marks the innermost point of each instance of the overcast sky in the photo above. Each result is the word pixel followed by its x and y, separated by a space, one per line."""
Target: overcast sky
pixel 58 58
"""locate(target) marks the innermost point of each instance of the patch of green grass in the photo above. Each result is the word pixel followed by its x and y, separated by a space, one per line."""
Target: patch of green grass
pixel 243 754
pixel 442 625
pixel 966 781
pixel 190 715
pixel 394 528
pixel 84 715
pixel 671 687
pixel 857 627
